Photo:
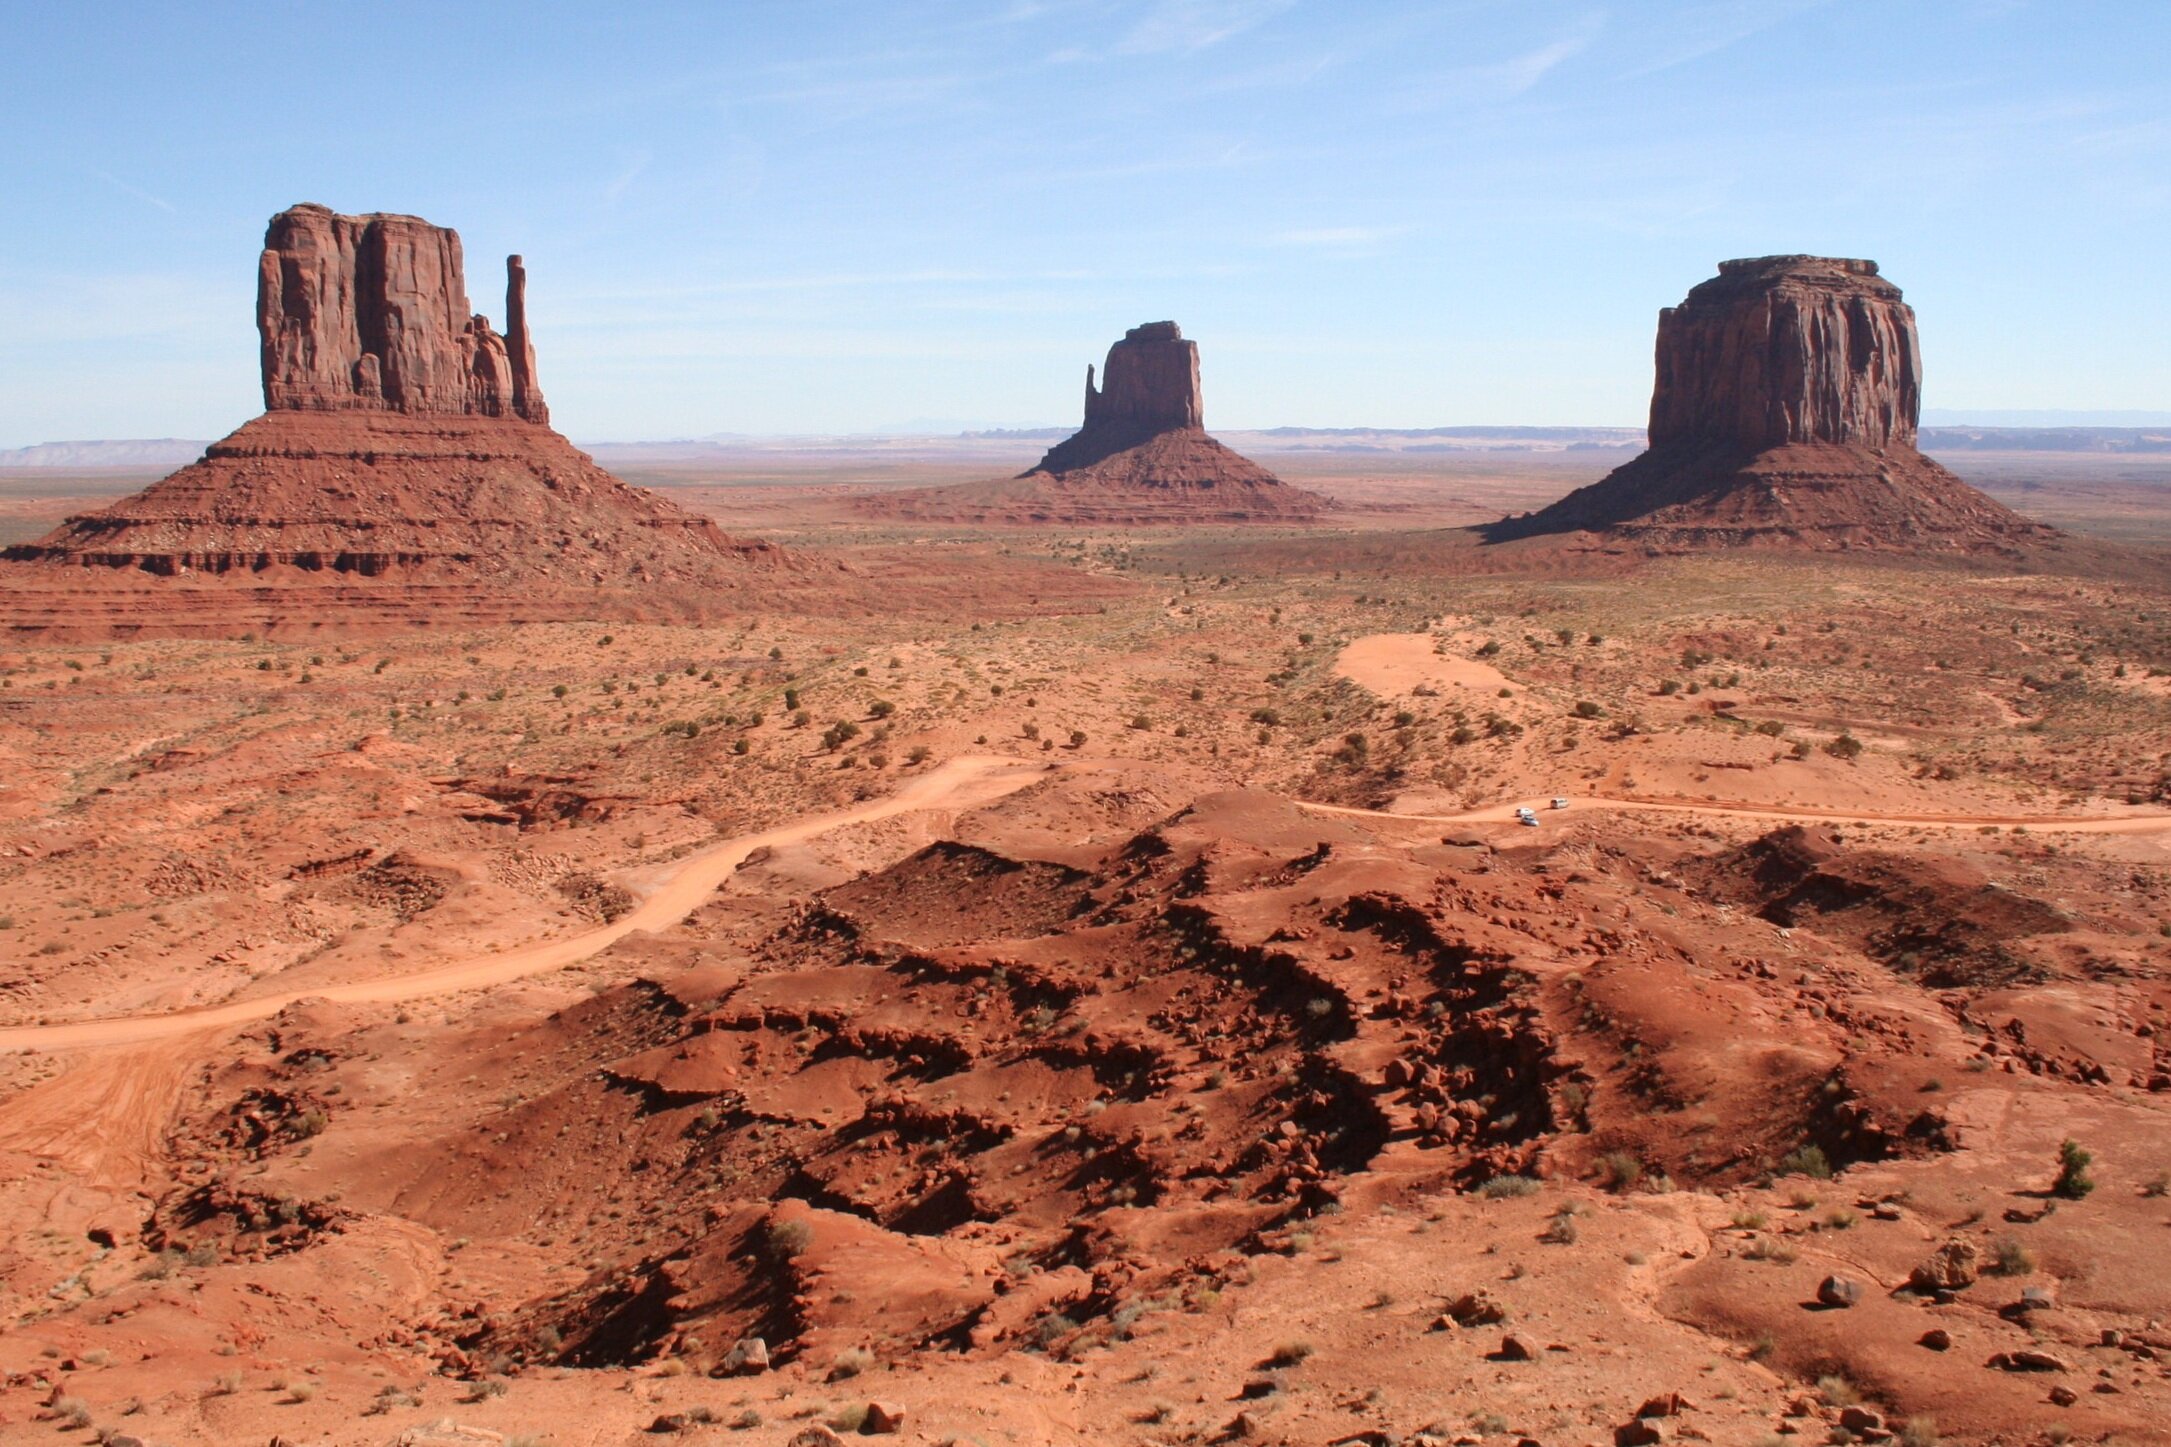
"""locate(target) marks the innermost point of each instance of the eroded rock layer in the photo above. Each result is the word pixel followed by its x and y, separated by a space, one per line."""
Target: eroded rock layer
pixel 372 494
pixel 1784 412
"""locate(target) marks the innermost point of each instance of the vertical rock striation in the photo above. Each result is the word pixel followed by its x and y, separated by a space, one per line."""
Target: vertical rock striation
pixel 1787 349
pixel 370 313
pixel 1784 406
pixel 1151 382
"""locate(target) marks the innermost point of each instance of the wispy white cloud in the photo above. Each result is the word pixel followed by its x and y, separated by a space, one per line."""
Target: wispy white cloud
pixel 1506 79
pixel 1188 26
pixel 616 187
pixel 1522 73
pixel 1703 30
pixel 138 192
pixel 1337 237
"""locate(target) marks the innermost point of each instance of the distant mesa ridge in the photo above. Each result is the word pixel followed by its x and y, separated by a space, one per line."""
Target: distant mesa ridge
pixel 402 437
pixel 1784 412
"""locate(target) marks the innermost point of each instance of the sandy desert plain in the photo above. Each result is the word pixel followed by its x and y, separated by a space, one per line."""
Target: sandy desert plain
pixel 1020 1003
pixel 1048 981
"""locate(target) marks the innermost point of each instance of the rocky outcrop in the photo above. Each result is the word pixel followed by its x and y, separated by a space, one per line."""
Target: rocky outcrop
pixel 1143 458
pixel 1788 349
pixel 403 441
pixel 370 313
pixel 1152 381
pixel 1783 413
pixel 1149 388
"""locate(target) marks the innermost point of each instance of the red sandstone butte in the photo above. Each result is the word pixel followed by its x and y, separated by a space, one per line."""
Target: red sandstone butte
pixel 402 439
pixel 1784 413
pixel 1143 457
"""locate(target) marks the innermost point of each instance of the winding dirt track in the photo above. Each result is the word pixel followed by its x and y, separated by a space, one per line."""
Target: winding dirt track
pixel 2045 823
pixel 960 783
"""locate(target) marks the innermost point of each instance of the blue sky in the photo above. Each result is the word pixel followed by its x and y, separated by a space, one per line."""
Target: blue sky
pixel 812 217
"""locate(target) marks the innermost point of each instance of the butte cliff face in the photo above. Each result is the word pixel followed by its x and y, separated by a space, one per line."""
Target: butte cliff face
pixel 1783 412
pixel 370 313
pixel 1152 382
pixel 1143 457
pixel 403 438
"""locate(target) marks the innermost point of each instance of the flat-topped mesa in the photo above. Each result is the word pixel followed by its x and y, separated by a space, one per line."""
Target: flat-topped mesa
pixel 1151 382
pixel 1783 414
pixel 1779 350
pixel 370 313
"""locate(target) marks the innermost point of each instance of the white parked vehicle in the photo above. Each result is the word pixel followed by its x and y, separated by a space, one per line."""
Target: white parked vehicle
pixel 1560 803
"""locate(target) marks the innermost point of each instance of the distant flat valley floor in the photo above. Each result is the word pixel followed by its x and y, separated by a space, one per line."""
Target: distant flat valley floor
pixel 799 494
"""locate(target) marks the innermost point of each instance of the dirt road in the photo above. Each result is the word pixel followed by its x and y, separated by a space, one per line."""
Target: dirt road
pixel 2150 823
pixel 959 783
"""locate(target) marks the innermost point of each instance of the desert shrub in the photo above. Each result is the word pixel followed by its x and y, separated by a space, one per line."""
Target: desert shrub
pixel 1290 1353
pixel 2073 1180
pixel 1502 1187
pixel 2008 1257
pixel 1919 1432
pixel 1586 709
pixel 881 708
pixel 849 1419
pixel 850 1363
pixel 789 1238
pixel 1620 1170
pixel 1808 1160
pixel 1846 746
